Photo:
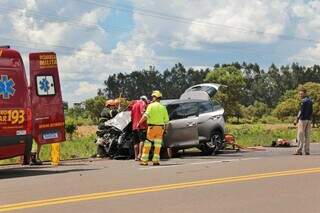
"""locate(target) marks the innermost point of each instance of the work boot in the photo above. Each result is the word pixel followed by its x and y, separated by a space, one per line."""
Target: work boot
pixel 143 163
pixel 297 153
pixel 34 160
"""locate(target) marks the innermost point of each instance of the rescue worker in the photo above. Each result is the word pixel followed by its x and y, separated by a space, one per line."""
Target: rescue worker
pixel 139 132
pixel 304 123
pixel 157 117
pixel 35 154
pixel 110 111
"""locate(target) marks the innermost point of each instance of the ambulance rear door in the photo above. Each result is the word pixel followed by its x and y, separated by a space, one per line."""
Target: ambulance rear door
pixel 46 98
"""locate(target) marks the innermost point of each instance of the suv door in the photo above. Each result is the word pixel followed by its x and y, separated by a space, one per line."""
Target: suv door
pixel 205 121
pixel 46 98
pixel 182 129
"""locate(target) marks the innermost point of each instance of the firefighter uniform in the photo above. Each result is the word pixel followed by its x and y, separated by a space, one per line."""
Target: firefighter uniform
pixel 110 111
pixel 157 117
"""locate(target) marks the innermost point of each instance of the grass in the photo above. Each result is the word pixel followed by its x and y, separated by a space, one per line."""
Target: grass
pixel 81 147
pixel 263 135
pixel 246 134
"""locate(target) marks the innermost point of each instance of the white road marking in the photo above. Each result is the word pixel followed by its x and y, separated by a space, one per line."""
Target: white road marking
pixel 199 163
pixel 161 167
pixel 206 162
pixel 250 158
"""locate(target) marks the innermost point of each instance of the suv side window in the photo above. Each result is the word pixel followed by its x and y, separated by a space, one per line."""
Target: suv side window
pixel 216 105
pixel 191 109
pixel 205 107
pixel 180 111
pixel 175 111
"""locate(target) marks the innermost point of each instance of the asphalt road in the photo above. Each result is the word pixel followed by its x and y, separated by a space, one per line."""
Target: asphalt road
pixel 263 181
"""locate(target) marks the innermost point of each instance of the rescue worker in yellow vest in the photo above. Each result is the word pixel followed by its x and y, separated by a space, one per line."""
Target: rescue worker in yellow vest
pixel 157 117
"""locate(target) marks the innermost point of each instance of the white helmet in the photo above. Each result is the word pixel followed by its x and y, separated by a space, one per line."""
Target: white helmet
pixel 143 97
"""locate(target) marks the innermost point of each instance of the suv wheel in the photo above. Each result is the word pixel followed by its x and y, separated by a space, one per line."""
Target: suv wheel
pixel 212 146
pixel 174 152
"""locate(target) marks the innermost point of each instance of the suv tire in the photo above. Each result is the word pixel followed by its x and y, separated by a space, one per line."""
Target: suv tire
pixel 214 145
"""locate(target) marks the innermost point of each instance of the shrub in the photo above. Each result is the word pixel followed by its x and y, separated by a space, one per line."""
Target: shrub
pixel 235 120
pixel 70 127
pixel 269 120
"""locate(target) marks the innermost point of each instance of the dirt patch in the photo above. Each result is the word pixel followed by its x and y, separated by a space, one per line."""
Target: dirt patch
pixel 83 131
pixel 279 126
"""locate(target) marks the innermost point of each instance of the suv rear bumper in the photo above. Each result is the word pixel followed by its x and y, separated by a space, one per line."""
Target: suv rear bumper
pixel 12 146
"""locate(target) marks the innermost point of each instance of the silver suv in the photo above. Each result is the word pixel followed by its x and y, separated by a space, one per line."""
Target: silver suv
pixel 195 120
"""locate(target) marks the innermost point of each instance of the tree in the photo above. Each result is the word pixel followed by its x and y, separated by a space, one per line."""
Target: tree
pixel 260 109
pixel 172 83
pixel 287 108
pixel 94 106
pixel 78 110
pixel 230 93
pixel 289 104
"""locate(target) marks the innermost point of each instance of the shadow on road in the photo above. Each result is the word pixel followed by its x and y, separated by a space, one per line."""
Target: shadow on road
pixel 8 173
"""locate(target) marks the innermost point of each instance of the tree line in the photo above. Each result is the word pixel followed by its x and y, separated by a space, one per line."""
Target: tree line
pixel 250 91
pixel 266 86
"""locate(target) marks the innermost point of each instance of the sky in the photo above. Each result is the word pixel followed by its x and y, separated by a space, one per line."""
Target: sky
pixel 96 38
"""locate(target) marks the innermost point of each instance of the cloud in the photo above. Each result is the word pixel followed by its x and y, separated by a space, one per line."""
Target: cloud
pixel 86 89
pixel 95 16
pixel 91 66
pixel 308 26
pixel 77 32
pixel 309 55
pixel 213 22
pixel 30 26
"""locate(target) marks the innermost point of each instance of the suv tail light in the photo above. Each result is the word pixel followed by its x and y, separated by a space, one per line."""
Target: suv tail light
pixel 29 121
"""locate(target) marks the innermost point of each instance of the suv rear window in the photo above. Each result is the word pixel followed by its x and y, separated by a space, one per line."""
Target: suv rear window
pixel 208 89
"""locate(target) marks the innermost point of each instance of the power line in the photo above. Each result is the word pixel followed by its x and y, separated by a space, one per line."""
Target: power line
pixel 68 21
pixel 47 16
pixel 71 49
pixel 185 20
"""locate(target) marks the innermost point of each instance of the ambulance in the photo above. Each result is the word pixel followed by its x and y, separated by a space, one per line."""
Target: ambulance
pixel 29 111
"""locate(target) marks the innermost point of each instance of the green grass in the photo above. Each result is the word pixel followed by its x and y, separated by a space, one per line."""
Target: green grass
pixel 83 147
pixel 78 148
pixel 263 135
